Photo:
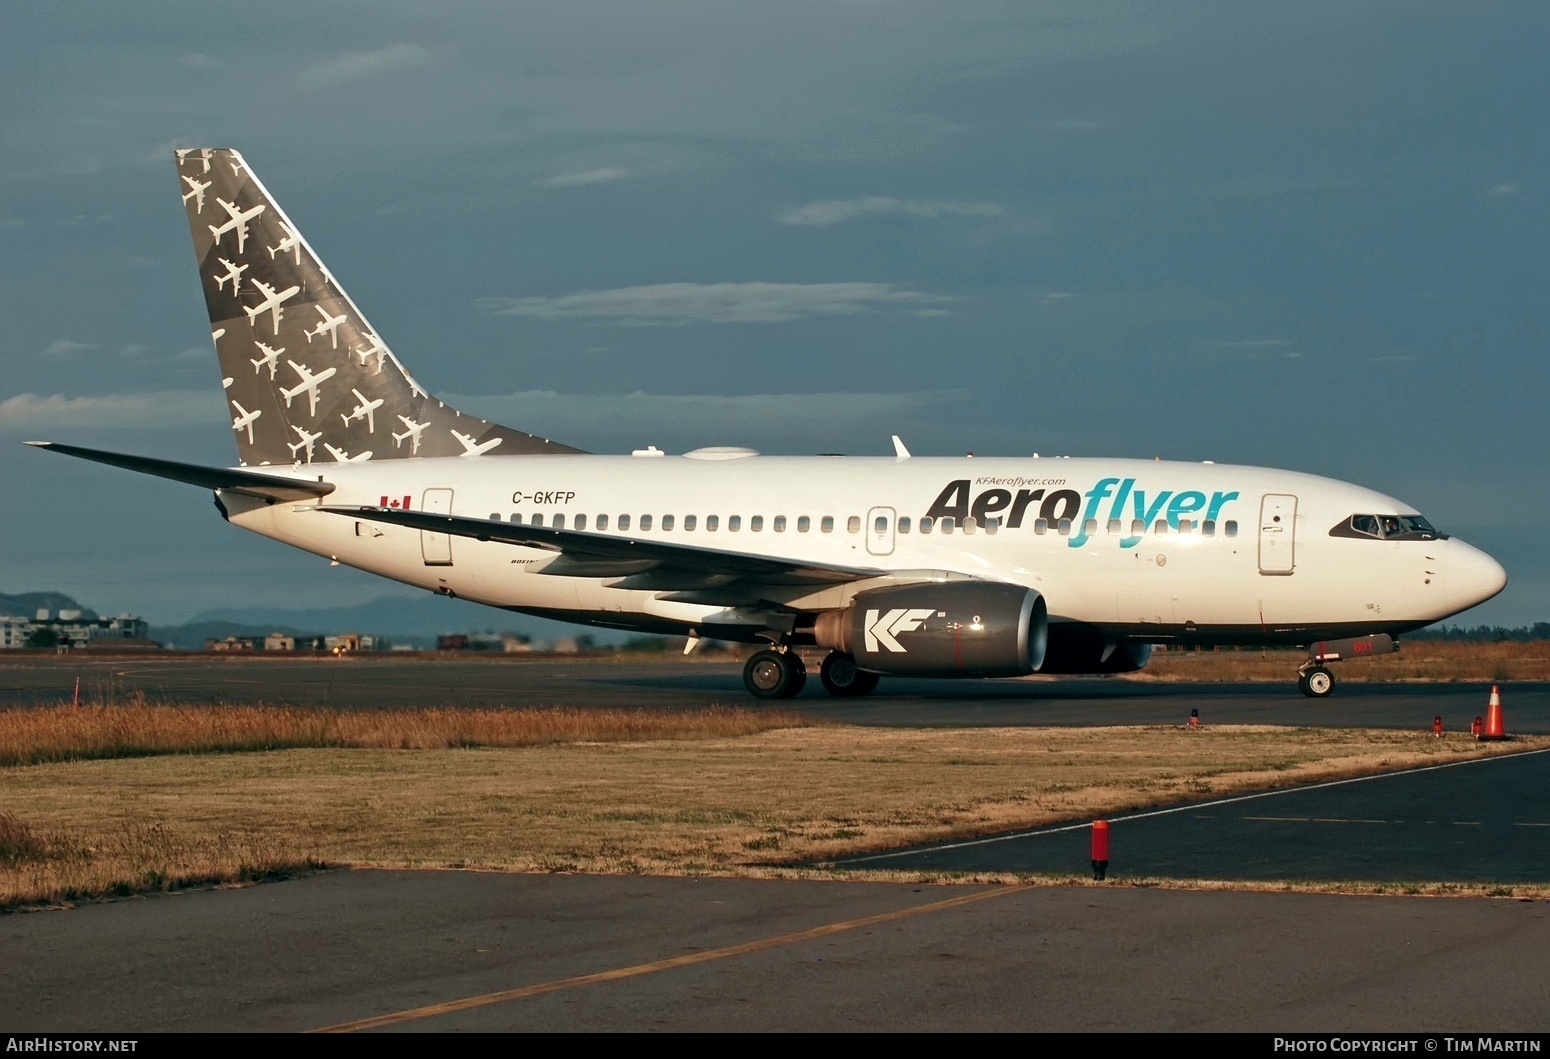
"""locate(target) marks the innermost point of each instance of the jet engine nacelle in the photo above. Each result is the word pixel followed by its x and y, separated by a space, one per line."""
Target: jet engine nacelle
pixel 1074 651
pixel 953 629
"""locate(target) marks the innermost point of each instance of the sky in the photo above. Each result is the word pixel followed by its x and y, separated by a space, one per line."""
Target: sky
pixel 1309 235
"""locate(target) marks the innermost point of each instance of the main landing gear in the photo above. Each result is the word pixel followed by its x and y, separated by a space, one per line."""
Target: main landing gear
pixel 778 673
pixel 775 674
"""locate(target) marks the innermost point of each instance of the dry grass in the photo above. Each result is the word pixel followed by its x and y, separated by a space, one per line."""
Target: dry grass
pixel 744 805
pixel 1432 660
pixel 141 727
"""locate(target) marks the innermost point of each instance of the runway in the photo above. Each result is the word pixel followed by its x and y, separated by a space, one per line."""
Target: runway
pixel 381 681
pixel 439 951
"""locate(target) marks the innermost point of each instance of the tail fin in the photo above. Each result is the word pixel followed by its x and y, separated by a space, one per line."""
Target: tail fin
pixel 306 376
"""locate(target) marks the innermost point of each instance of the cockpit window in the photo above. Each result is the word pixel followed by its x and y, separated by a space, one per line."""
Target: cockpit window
pixel 1386 528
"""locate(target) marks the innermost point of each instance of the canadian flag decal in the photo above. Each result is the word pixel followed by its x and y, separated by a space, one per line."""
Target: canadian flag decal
pixel 395 503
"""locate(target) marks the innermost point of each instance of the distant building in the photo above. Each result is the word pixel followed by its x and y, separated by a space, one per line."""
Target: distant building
pixel 279 641
pixel 72 630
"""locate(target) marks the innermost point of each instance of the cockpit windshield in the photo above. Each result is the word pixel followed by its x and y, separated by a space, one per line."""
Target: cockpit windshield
pixel 1387 528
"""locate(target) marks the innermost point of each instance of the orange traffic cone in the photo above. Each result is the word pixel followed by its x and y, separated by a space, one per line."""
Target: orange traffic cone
pixel 1494 727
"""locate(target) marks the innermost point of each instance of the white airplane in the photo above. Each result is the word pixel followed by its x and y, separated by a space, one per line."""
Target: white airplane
pixel 898 565
pixel 473 448
pixel 376 349
pixel 238 220
pixel 306 442
pixel 271 304
pixel 288 243
pixel 365 410
pixel 196 191
pixel 329 327
pixel 309 383
pixel 271 357
pixel 233 273
pixel 204 156
pixel 411 434
pixel 341 456
pixel 245 418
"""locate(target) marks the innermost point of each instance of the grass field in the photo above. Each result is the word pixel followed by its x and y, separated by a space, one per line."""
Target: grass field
pixel 114 799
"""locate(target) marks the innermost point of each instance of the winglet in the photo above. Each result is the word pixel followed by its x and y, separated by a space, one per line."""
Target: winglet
pixel 899 450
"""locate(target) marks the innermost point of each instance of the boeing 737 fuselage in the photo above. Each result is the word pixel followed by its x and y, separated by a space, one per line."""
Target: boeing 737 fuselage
pixel 900 565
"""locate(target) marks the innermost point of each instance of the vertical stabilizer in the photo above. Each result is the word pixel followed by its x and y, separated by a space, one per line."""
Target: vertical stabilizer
pixel 307 378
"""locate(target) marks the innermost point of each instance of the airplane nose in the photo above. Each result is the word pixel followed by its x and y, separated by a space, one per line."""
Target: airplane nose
pixel 1473 576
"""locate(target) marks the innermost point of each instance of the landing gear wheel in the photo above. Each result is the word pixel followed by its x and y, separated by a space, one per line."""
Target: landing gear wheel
pixel 1316 683
pixel 841 677
pixel 774 675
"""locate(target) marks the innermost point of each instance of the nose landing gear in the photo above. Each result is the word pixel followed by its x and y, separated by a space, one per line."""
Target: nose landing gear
pixel 1316 681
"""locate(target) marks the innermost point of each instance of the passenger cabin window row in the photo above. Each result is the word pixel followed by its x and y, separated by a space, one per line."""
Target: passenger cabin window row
pixel 925 525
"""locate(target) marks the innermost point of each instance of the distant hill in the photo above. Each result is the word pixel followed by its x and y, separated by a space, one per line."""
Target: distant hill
pixel 414 621
pixel 27 604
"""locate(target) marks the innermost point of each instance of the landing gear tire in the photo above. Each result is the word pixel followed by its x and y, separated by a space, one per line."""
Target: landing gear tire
pixel 841 677
pixel 774 675
pixel 1316 683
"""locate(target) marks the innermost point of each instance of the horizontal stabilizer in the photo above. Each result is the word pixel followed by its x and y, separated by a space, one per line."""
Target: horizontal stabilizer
pixel 605 555
pixel 250 483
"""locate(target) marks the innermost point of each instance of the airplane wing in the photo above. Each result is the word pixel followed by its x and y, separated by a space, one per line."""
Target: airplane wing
pixel 652 565
pixel 251 483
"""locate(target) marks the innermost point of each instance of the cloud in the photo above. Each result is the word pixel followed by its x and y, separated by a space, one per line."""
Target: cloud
pixel 122 411
pixel 354 65
pixel 63 347
pixel 1510 187
pixel 584 177
pixel 716 303
pixel 834 211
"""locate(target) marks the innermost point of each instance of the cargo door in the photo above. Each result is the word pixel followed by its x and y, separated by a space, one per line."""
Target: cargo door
pixel 1277 534
pixel 436 547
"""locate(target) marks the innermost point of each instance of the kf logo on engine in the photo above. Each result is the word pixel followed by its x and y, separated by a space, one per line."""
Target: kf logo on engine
pixel 881 627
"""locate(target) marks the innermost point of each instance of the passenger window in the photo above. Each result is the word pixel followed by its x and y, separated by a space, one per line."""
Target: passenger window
pixel 1063 527
pixel 1161 528
pixel 1041 526
pixel 690 521
pixel 1113 527
pixel 779 525
pixel 1138 527
pixel 558 522
pixel 827 525
pixel 667 523
pixel 1208 528
pixel 925 525
pixel 623 523
pixel 879 524
pixel 904 525
pixel 581 522
pixel 536 519
pixel 970 524
pixel 645 522
pixel 804 523
pixel 1186 525
pixel 734 523
pixel 495 516
pixel 1090 527
pixel 946 523
pixel 992 525
pixel 602 522
pixel 1232 528
pixel 853 524
pixel 712 523
pixel 756 523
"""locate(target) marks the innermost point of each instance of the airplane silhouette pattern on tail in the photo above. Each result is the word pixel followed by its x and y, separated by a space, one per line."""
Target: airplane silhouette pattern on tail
pixel 273 305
